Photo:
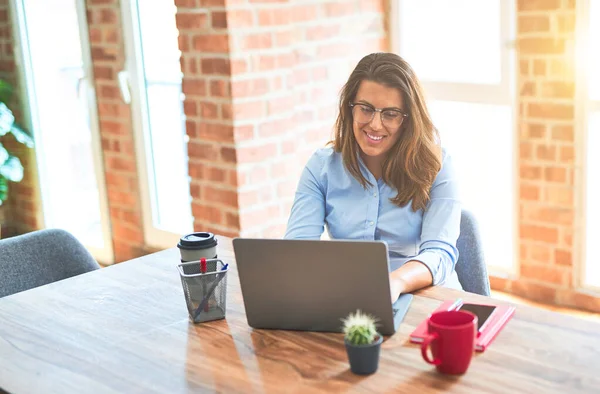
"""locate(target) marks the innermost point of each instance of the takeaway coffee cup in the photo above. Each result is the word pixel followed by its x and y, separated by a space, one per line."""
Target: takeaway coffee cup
pixel 195 246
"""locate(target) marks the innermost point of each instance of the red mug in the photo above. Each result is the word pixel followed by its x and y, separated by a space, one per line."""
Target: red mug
pixel 452 340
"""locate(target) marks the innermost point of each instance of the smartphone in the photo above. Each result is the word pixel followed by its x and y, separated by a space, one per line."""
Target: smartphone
pixel 483 313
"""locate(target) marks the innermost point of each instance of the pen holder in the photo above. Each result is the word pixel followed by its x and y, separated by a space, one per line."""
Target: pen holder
pixel 205 293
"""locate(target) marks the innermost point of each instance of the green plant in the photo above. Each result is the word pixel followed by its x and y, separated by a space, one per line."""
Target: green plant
pixel 360 328
pixel 11 168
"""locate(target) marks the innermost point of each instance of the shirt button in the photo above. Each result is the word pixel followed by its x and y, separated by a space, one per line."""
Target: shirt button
pixel 374 194
pixel 371 223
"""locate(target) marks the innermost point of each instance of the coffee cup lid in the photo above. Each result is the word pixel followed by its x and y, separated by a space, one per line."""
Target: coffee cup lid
pixel 199 240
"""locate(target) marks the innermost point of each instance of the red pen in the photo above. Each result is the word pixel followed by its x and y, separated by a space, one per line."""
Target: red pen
pixel 203 270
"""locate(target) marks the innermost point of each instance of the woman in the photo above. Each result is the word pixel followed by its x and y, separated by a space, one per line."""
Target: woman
pixel 386 177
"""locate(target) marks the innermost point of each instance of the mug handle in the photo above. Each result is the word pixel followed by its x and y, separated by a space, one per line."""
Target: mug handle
pixel 426 342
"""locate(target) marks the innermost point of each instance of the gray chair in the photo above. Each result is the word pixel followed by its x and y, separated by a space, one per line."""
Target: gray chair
pixel 41 257
pixel 470 267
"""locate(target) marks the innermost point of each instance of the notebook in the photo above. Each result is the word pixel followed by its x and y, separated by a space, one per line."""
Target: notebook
pixel 494 324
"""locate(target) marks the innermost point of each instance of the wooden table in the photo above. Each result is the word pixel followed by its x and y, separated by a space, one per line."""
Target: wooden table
pixel 125 329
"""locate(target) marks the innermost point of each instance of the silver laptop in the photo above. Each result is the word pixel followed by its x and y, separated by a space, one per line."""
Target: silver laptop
pixel 311 285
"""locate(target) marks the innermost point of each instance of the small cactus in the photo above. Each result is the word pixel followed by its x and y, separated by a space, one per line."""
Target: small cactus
pixel 359 328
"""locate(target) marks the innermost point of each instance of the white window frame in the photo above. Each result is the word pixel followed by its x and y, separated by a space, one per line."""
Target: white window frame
pixel 134 92
pixel 104 255
pixel 504 94
pixel 583 108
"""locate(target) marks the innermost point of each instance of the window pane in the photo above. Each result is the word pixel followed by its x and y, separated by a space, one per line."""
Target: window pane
pixel 166 149
pixel 487 188
pixel 594 50
pixel 592 272
pixel 452 41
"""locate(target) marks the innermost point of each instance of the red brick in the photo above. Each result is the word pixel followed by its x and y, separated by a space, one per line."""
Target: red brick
pixel 563 133
pixel 539 233
pixel 243 132
pixel 555 174
pixel 566 22
pixel 563 257
pixel 559 195
pixel 132 234
pixel 253 218
pixel 254 154
pixel 273 128
pixel 202 151
pixel 239 66
pixel 335 9
pixel 524 67
pixel 249 110
pixel 543 273
pixel 273 17
pixel 539 67
pixel 525 151
pixel 240 18
pixel 226 111
pixel 541 46
pixel 221 196
pixel 208 213
pixel 322 32
pixel 534 131
pixel 534 291
pixel 191 21
pixel 540 253
pixel 249 87
pixel 209 110
pixel 215 43
pixel 555 89
pixel 256 41
pixel 193 87
pixel 216 66
pixel 220 88
pixel 122 164
pixel 528 89
pixel 587 301
pixel 567 154
pixel 232 220
pixel 229 154
pixel 530 172
pixel 538 5
pixel 551 111
pixel 546 152
pixel 533 23
pixel 219 19
pixel 304 12
pixel 550 215
pixel 190 108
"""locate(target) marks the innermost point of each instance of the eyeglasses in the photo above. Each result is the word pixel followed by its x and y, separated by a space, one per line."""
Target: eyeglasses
pixel 390 118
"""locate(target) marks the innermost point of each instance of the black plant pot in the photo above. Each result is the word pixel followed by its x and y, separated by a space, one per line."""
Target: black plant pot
pixel 364 359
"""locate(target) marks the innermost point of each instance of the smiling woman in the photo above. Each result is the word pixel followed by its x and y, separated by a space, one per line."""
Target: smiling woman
pixel 386 177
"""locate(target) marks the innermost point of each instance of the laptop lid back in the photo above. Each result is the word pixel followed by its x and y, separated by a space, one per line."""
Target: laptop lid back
pixel 311 285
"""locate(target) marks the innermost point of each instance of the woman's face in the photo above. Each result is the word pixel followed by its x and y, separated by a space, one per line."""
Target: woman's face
pixel 375 138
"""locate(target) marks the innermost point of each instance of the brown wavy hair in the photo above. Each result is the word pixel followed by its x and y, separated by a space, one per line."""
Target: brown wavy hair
pixel 415 159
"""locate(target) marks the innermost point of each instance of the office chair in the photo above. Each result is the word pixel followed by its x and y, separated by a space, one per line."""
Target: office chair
pixel 41 257
pixel 470 267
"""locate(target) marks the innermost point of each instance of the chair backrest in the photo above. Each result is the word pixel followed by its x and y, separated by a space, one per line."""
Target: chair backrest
pixel 470 267
pixel 41 257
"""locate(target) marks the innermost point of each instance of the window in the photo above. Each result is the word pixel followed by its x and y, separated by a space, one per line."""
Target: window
pixel 472 102
pixel 589 84
pixel 154 74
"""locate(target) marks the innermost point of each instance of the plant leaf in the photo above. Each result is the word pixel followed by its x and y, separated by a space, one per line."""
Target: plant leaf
pixel 3 189
pixel 22 136
pixel 12 169
pixel 5 91
pixel 3 154
pixel 7 119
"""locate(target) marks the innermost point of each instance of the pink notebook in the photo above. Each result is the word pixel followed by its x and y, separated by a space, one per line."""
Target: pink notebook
pixel 494 324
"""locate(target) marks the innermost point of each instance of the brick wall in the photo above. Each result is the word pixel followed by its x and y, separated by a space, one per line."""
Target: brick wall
pixel 261 80
pixel 120 165
pixel 547 170
pixel 19 213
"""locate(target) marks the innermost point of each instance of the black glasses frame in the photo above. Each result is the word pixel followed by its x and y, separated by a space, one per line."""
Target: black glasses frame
pixel 380 110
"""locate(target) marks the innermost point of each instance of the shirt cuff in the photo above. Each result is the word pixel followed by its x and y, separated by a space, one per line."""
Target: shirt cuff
pixel 433 261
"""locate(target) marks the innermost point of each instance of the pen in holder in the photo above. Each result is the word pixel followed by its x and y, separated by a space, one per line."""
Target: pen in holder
pixel 205 288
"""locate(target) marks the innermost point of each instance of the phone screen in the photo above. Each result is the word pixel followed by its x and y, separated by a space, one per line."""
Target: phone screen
pixel 483 312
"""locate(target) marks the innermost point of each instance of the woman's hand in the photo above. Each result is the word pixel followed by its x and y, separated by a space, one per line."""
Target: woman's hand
pixel 397 287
